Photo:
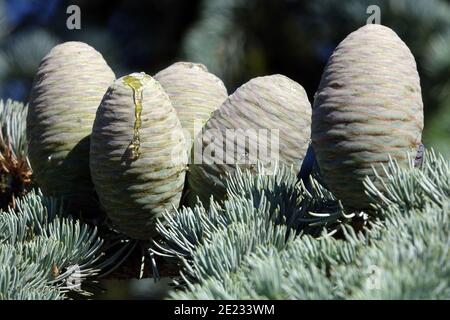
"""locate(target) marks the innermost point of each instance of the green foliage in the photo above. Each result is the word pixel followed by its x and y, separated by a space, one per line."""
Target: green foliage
pixel 43 254
pixel 15 170
pixel 13 116
pixel 275 205
pixel 217 32
pixel 412 188
pixel 23 53
pixel 243 248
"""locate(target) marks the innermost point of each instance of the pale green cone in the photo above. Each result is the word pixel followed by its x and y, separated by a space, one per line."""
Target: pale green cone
pixel 195 94
pixel 271 106
pixel 68 87
pixel 137 181
pixel 368 106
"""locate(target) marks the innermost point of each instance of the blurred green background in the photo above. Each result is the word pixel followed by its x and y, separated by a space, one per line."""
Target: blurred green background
pixel 235 39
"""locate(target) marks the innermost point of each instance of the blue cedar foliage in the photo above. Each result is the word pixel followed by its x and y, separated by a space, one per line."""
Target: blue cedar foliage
pixel 43 254
pixel 13 127
pixel 273 239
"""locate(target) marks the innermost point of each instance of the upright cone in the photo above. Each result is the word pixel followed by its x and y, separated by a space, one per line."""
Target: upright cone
pixel 267 119
pixel 69 85
pixel 138 154
pixel 368 106
pixel 195 94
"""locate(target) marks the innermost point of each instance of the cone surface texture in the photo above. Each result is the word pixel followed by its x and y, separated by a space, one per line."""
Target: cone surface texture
pixel 368 106
pixel 68 87
pixel 138 154
pixel 267 119
pixel 195 94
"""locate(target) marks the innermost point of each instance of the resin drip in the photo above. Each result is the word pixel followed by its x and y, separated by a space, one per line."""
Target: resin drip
pixel 135 84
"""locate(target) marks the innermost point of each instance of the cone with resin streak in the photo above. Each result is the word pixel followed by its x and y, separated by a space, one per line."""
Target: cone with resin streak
pixel 267 119
pixel 368 106
pixel 195 94
pixel 69 85
pixel 138 154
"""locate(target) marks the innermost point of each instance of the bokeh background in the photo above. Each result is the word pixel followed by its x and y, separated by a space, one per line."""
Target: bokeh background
pixel 236 39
